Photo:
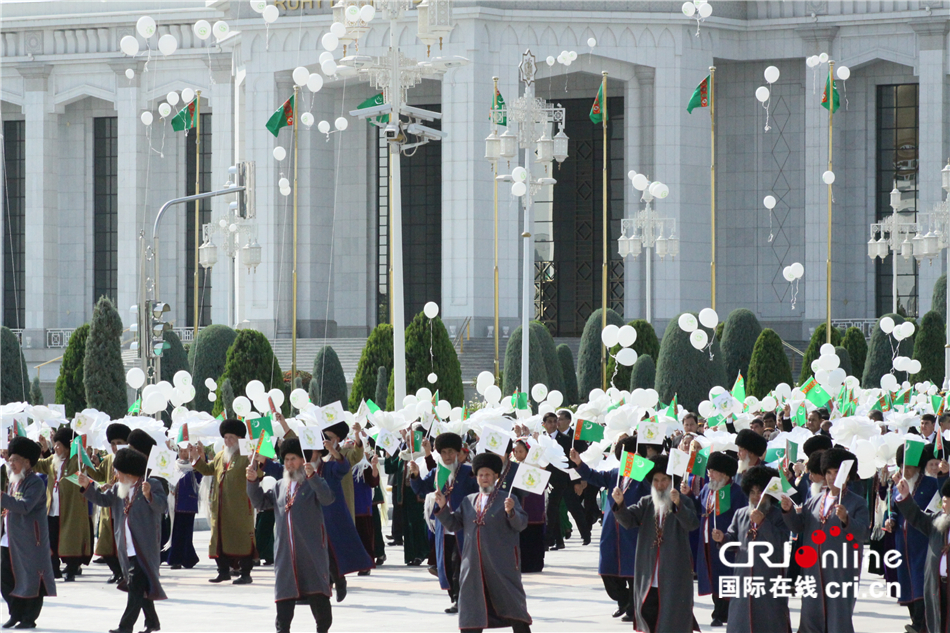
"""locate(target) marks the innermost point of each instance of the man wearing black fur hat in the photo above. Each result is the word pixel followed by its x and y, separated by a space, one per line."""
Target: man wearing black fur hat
pixel 752 448
pixel 301 562
pixel 117 434
pixel 662 585
pixel 139 505
pixel 459 485
pixel 837 513
pixel 491 594
pixel 232 517
pixel 26 571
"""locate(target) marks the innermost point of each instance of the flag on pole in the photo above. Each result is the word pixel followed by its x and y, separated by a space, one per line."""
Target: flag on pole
pixel 588 431
pixel 520 400
pixel 76 448
pixel 938 403
pixel 697 463
pixel 442 476
pixel 832 85
pixel 186 119
pixel 633 465
pixel 373 102
pixel 723 500
pixel 912 452
pixel 598 111
pixel 814 393
pixel 183 436
pixel 18 427
pixel 787 487
pixel 531 479
pixel 417 441
pixel 255 426
pixel 136 407
pixel 883 403
pixel 738 389
pixel 265 446
pixel 372 406
pixel 671 410
pixel 282 117
pixel 800 417
pixel 497 104
pixel 700 98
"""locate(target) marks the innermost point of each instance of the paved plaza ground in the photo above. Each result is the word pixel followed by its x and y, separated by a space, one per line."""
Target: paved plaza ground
pixel 567 596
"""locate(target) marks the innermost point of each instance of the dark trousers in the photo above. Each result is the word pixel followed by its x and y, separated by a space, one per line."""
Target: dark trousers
pixel 453 565
pixel 565 491
pixel 25 610
pixel 319 607
pixel 396 526
pixel 73 563
pixel 589 499
pixel 916 609
pixel 721 608
pixel 264 535
pixel 181 551
pixel 138 587
pixel 379 541
pixel 114 566
pixel 517 626
pixel 224 564
pixel 620 590
pixel 650 610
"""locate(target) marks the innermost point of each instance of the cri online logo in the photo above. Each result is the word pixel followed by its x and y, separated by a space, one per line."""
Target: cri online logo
pixel 806 556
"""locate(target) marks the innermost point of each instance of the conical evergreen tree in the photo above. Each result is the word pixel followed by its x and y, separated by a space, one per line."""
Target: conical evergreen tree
pixel 378 352
pixel 14 380
pixel 70 389
pixel 103 371
pixel 739 335
pixel 588 356
pixel 568 374
pixel 328 384
pixel 686 372
pixel 206 359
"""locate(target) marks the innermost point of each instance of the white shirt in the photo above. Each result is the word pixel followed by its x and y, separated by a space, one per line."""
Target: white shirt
pixel 656 566
pixel 830 501
pixel 129 546
pixel 54 506
pixel 482 502
pixel 5 541
pixel 943 560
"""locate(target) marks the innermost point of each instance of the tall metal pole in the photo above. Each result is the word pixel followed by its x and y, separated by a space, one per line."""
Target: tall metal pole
pixel 603 274
pixel 649 255
pixel 398 307
pixel 495 184
pixel 197 202
pixel 831 120
pixel 527 281
pixel 712 183
pixel 293 325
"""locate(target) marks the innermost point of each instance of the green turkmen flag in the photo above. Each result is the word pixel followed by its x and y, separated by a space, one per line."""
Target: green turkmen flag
pixel 588 431
pixel 417 441
pixel 257 425
pixel 723 500
pixel 498 103
pixel 912 452
pixel 442 476
pixel 738 389
pixel 700 98
pixel 774 454
pixel 136 407
pixel 185 119
pixel 814 393
pixel 824 95
pixel 598 111
pixel 671 410
pixel 371 406
pixel 373 102
pixel 265 446
pixel 786 485
pixel 76 448
pixel 697 463
pixel 938 403
pixel 800 417
pixel 282 117
pixel 520 400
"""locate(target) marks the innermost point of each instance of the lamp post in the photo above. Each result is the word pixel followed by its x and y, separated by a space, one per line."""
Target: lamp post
pixel 893 235
pixel 646 230
pixel 394 74
pixel 942 216
pixel 533 116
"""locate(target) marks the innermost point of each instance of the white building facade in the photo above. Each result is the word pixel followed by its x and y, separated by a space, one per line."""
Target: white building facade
pixel 84 177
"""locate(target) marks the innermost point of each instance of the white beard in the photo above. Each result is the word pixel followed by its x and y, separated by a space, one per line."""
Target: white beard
pixel 486 490
pixel 715 486
pixel 765 504
pixel 293 476
pixel 942 522
pixel 122 490
pixel 57 463
pixel 743 465
pixel 662 501
pixel 229 452
pixel 16 478
pixel 816 488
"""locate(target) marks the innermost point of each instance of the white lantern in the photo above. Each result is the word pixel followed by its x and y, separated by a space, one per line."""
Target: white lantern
pixel 945 177
pixel 872 248
pixel 882 248
pixel 251 255
pixel 907 248
pixel 560 146
pixel 918 243
pixel 509 144
pixel 623 246
pixel 545 149
pixel 895 198
pixel 435 21
pixel 673 246
pixel 208 254
pixel 661 247
pixel 930 245
pixel 635 246
pixel 492 147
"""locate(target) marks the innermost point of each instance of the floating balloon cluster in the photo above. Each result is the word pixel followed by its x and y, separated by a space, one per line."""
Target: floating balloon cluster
pixel 698 10
pixel 764 94
pixel 698 337
pixel 793 273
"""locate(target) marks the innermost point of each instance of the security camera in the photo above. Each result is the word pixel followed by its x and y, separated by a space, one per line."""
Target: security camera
pixel 391 132
pixel 427 132
pixel 375 111
pixel 419 113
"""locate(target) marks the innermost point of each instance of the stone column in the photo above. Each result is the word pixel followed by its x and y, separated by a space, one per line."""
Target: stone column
pixel 42 204
pixel 633 270
pixel 220 100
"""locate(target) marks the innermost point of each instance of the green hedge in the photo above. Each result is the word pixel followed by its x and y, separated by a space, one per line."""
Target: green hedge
pixel 207 356
pixel 646 344
pixel 588 356
pixel 103 371
pixel 643 374
pixel 70 390
pixel 378 352
pixel 174 358
pixel 879 360
pixel 14 379
pixel 768 366
pixel 250 357
pixel 739 335
pixel 818 338
pixel 929 349
pixel 686 372
pixel 568 374
pixel 328 383
pixel 939 301
pixel 857 347
pixel 844 360
pixel 382 385
pixel 537 366
pixel 422 333
pixel 36 392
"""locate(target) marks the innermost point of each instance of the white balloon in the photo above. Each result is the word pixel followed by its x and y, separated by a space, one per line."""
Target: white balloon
pixel 698 339
pixel 277 396
pixel 172 98
pixel 659 190
pixel 270 13
pixel 443 409
pixel 301 75
pixel 798 270
pixel 145 26
pixel 328 67
pixel 518 189
pixel 705 10
pixel 307 119
pixel 898 363
pixel 255 390
pixel 330 41
pixel 652 397
pixel 768 403
pixel 341 123
pixel 843 72
pixel 409 401
pixel 769 202
pixel 181 379
pixel 493 395
pixel 486 378
pixel 830 362
pixel 155 402
pixel 279 153
pixel 762 94
pixel 627 336
pixel 352 13
pixel 283 183
pixel 591 42
pixel 129 73
pixel 315 82
pixel 221 30
pixel 907 328
pixel 627 356
pixel 539 392
pixel 147 118
pixel 838 376
pixel 689 9
pixel 706 409
pixel 550 60
pixel 898 334
pixel 889 382
pixel 212 396
pixel 823 58
pixel 687 322
pixel 241 406
pixel 258 6
pixel 826 349
pixel 135 377
pixel 815 366
pixel 828 177
pixel 164 110
pixel 202 29
pixel 788 274
pixel 519 174
pixel 167 44
pixel 431 309
pixel 915 367
pixel 210 384
pixel 338 29
pixel 709 318
pixel 771 74
pixel 299 398
pixel 610 335
pixel 367 12
pixel 129 45
pixel 187 95
pixel 285 192
pixel 640 182
pixel 886 325
pixel 323 126
pixel 812 61
pixel 555 398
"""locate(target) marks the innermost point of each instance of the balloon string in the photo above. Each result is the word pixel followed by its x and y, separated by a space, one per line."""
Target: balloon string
pixel 844 90
pixel 616 368
pixel 766 105
pixel 771 230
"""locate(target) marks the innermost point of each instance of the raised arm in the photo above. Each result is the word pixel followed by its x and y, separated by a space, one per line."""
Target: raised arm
pixel 322 489
pixel 518 521
pixel 201 465
pixel 31 497
pixel 912 514
pixel 686 515
pixel 102 499
pixel 629 516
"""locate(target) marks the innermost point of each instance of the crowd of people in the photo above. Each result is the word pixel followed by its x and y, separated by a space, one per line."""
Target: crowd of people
pixel 700 510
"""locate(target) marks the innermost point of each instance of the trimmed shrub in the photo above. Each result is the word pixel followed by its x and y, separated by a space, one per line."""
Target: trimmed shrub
pixel 844 360
pixel 646 343
pixel 857 347
pixel 227 398
pixel 174 358
pixel 551 361
pixel 250 357
pixel 36 392
pixel 768 366
pixel 879 360
pixel 739 335
pixel 929 350
pixel 302 381
pixel 421 335
pixel 686 372
pixel 537 369
pixel 719 328
pixel 814 349
pixel 328 383
pixel 382 386
pixel 643 373
pixel 70 390
pixel 14 379
pixel 378 352
pixel 568 374
pixel 206 357
pixel 103 372
pixel 939 302
pixel 588 356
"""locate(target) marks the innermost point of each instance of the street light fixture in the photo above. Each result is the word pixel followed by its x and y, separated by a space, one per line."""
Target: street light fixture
pixel 888 233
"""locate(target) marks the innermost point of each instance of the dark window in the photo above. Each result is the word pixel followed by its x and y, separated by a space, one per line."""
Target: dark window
pixel 204 217
pixel 383 215
pixel 14 228
pixel 897 142
pixel 105 208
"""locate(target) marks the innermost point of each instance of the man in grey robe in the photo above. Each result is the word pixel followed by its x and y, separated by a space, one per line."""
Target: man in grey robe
pixel 823 613
pixel 490 591
pixel 301 564
pixel 26 570
pixel 663 582
pixel 759 522
pixel 937 529
pixel 137 506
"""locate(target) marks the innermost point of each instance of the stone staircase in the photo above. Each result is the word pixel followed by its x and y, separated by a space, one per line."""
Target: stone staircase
pixel 478 354
pixel 348 349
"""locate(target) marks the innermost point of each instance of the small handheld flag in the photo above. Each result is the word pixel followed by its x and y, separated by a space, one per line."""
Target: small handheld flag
pixel 76 448
pixel 588 431
pixel 738 389
pixel 530 479
pixel 814 393
pixel 697 462
pixel 723 500
pixel 265 446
